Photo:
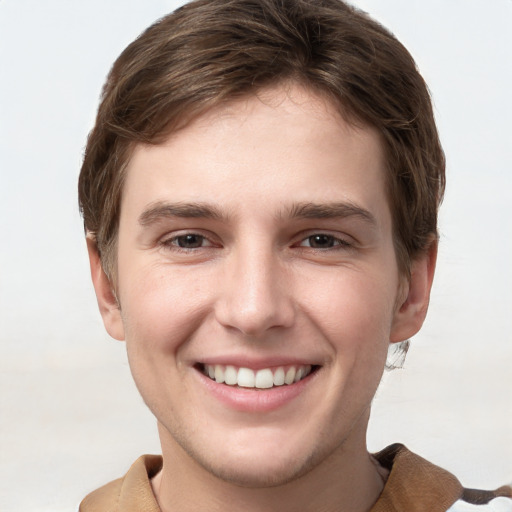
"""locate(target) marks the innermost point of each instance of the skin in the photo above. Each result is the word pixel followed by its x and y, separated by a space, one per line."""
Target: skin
pixel 266 280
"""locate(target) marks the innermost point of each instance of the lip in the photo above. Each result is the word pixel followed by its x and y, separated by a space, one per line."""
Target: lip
pixel 259 363
pixel 253 400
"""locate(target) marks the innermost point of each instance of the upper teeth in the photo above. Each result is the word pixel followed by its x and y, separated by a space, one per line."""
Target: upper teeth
pixel 262 379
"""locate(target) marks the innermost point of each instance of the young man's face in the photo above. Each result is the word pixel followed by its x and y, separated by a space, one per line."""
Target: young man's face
pixel 255 245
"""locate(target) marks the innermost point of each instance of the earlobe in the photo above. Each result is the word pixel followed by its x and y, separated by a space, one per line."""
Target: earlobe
pixel 411 312
pixel 107 301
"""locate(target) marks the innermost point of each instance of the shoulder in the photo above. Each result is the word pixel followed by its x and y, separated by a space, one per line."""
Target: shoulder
pixel 416 484
pixel 130 493
pixel 103 499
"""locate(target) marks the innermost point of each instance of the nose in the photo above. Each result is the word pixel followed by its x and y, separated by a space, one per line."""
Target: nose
pixel 255 294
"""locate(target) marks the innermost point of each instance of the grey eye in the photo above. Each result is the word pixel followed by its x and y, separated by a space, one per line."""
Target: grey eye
pixel 189 241
pixel 321 241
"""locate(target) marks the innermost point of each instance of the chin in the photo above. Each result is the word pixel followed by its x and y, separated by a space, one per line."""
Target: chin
pixel 256 466
pixel 256 474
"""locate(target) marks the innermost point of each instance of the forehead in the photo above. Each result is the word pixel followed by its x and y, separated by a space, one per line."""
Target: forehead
pixel 284 144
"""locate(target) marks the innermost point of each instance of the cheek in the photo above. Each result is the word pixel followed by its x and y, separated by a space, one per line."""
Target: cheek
pixel 161 309
pixel 353 308
pixel 161 312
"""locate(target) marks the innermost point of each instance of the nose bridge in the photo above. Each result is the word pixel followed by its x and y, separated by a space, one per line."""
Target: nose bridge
pixel 254 297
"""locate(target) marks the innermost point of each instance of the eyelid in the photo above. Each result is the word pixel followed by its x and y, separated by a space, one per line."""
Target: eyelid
pixel 343 239
pixel 168 239
pixel 174 240
pixel 337 241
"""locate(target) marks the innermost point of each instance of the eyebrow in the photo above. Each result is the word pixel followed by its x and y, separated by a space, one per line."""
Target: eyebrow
pixel 160 210
pixel 164 210
pixel 335 210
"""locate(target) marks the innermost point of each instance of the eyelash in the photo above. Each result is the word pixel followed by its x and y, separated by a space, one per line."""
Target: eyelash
pixel 337 243
pixel 173 242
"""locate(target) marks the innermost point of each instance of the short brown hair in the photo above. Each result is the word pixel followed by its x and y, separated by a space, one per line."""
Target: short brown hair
pixel 212 51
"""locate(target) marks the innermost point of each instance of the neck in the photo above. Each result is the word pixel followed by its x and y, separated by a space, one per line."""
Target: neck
pixel 348 480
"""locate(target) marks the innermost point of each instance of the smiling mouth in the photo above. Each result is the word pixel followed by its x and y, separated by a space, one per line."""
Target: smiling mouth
pixel 265 378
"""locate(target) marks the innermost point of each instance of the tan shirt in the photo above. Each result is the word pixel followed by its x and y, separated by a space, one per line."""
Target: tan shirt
pixel 413 485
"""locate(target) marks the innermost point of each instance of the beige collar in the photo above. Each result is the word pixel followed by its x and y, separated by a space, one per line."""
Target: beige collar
pixel 414 483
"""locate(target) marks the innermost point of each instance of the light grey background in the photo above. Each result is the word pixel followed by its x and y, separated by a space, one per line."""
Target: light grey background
pixel 71 418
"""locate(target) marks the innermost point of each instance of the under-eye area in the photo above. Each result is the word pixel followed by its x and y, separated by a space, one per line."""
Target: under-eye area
pixel 264 378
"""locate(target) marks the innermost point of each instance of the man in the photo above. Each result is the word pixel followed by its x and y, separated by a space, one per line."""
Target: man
pixel 260 196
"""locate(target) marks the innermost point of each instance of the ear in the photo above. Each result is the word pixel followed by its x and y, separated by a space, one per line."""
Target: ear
pixel 412 308
pixel 107 301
